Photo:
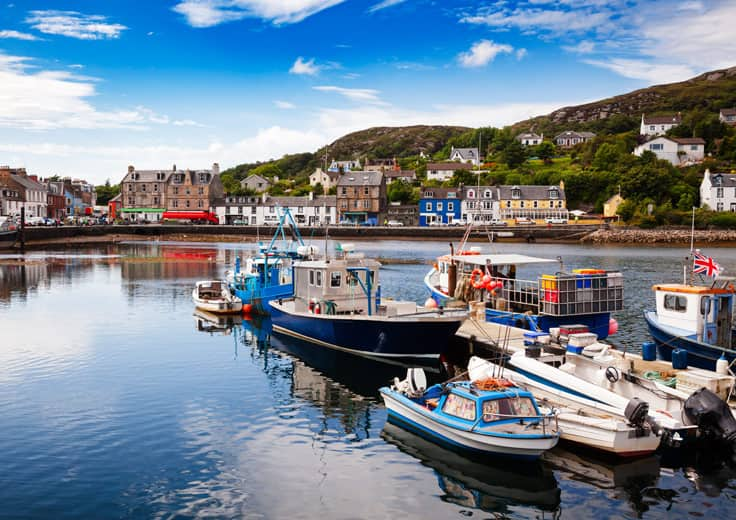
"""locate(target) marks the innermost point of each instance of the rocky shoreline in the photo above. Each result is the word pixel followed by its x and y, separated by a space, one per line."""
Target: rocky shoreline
pixel 660 236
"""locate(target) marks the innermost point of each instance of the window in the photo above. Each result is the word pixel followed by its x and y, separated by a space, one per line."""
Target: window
pixel 450 206
pixel 536 204
pixel 189 192
pixel 300 209
pixel 203 177
pixel 554 194
pixel 656 147
pixel 160 176
pixel 522 203
pixel 515 193
pixel 366 204
pixel 719 193
pixel 343 205
pixel 174 203
pixel 311 277
pixel 356 204
pixel 143 188
pixel 319 279
pixel 674 302
pixel 130 188
pixel 652 128
pixel 131 201
pixel 487 194
pixel 693 147
pixel 201 190
pixel 471 194
pixel 719 206
pixel 439 206
pixel 487 204
pixel 428 206
pixel 155 187
pixel 155 201
pixel 500 409
pixel 471 205
pixel 366 190
pixel 176 190
pixel 733 207
pixel 272 209
pixel 199 204
pixel 335 279
pixel 344 191
pixel 459 406
pixel 508 203
pixel 187 203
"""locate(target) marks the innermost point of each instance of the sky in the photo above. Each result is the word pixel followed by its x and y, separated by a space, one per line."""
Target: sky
pixel 90 87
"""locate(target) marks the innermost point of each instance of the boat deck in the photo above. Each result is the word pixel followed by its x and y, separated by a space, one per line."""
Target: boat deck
pixel 492 336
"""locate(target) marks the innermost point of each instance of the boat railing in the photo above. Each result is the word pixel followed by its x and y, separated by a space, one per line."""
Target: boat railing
pixel 545 420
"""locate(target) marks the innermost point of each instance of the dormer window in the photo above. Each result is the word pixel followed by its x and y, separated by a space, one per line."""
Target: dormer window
pixel 515 193
pixel 718 180
pixel 554 193
pixel 487 194
pixel 471 194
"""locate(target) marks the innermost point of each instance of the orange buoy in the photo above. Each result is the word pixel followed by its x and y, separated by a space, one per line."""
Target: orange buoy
pixel 247 308
pixel 476 279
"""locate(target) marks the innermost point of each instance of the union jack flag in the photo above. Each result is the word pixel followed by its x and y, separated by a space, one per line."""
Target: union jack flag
pixel 705 264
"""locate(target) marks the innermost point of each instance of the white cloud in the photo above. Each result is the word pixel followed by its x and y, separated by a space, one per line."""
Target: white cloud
pixel 150 33
pixel 284 105
pixel 482 52
pixel 74 25
pixel 363 95
pixel 302 67
pixel 76 66
pixel 584 47
pixel 536 20
pixel 208 13
pixel 521 53
pixel 645 70
pixel 384 4
pixel 18 35
pixel 50 99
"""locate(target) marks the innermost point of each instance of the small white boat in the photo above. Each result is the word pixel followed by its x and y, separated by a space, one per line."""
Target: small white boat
pixel 583 420
pixel 215 296
pixel 500 419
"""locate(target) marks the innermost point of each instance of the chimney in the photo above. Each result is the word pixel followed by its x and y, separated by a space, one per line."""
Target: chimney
pixel 311 195
pixel 131 168
pixel 33 177
pixel 173 168
pixel 215 168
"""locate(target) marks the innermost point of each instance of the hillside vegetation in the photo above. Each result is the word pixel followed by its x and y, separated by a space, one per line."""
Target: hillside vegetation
pixel 656 192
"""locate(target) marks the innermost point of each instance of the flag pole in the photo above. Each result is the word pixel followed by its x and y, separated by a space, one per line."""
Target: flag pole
pixel 692 245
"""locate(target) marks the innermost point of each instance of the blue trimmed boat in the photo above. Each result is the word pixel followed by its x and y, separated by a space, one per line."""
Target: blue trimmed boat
pixel 694 318
pixel 337 304
pixel 493 416
pixel 267 275
pixel 583 296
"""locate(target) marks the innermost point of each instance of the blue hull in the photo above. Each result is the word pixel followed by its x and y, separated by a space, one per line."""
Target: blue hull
pixel 259 298
pixel 369 336
pixel 700 354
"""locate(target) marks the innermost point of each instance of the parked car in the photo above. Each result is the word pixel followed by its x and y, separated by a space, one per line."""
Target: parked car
pixel 459 222
pixel 394 223
pixel 524 221
pixel 496 222
pixel 556 220
pixel 437 223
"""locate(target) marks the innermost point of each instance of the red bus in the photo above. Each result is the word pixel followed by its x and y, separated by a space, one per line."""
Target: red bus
pixel 196 217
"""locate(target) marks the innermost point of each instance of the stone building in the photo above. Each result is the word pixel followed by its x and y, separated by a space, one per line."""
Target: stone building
pixel 361 197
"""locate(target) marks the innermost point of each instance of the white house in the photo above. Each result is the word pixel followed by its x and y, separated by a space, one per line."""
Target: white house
pixel 570 138
pixel 327 179
pixel 680 151
pixel 310 210
pixel 444 171
pixel 480 204
pixel 344 166
pixel 530 139
pixel 400 175
pixel 256 183
pixel 728 116
pixel 465 155
pixel 658 125
pixel 718 191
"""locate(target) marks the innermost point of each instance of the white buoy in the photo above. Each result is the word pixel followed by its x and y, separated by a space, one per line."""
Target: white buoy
pixel 722 365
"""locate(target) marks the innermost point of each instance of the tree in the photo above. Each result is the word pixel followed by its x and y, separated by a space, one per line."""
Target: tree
pixel 606 157
pixel 106 192
pixel 546 151
pixel 514 155
pixel 400 191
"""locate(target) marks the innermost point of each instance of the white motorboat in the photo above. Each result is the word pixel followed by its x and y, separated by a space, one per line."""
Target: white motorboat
pixel 215 296
pixel 619 431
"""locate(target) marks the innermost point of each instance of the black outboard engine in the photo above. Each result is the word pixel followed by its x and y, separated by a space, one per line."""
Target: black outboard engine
pixel 637 413
pixel 712 415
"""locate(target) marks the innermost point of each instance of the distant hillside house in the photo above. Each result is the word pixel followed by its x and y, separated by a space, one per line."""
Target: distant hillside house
pixel 718 191
pixel 361 198
pixel 465 155
pixel 536 202
pixel 255 183
pixel 444 171
pixel 343 166
pixel 570 138
pixel 680 151
pixel 480 204
pixel 400 175
pixel 439 206
pixel 530 139
pixel 381 165
pixel 658 125
pixel 728 116
pixel 327 179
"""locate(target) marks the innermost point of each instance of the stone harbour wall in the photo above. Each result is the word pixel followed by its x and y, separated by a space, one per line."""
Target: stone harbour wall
pixel 659 236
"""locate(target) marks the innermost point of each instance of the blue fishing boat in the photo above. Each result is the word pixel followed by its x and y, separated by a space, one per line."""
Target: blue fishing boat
pixel 492 416
pixel 337 304
pixel 268 274
pixel 582 296
pixel 696 319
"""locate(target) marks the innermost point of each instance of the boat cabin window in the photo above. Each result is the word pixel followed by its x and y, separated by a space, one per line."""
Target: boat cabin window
pixel 704 305
pixel 311 277
pixel 499 409
pixel 335 279
pixel 352 279
pixel 319 279
pixel 459 406
pixel 674 302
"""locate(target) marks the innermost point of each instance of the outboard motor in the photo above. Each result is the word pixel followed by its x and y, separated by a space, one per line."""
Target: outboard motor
pixel 636 412
pixel 712 415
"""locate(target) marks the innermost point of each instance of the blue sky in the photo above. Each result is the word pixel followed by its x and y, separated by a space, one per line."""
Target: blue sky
pixel 89 87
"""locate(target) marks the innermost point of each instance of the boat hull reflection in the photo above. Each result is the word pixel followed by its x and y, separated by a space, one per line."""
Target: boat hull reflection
pixel 481 482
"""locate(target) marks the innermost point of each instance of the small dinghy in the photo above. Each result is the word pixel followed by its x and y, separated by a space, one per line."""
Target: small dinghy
pixel 493 416
pixel 215 296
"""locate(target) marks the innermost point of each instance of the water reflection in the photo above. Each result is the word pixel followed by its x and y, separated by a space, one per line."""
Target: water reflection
pixel 481 483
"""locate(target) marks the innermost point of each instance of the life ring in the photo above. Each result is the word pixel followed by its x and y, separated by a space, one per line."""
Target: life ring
pixel 612 374
pixel 476 279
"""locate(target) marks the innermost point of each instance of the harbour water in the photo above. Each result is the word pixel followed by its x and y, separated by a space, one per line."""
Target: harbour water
pixel 115 401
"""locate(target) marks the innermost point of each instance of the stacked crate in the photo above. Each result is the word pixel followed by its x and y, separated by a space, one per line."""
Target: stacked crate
pixel 584 291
